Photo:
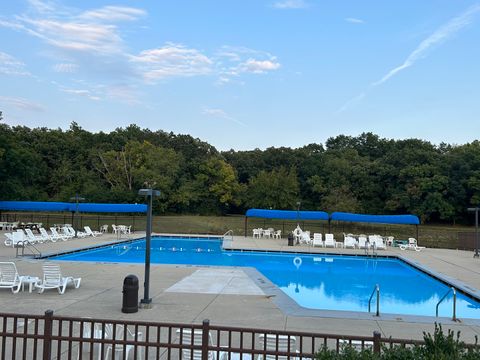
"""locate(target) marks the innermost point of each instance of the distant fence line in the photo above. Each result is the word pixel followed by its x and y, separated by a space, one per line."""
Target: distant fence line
pixel 428 236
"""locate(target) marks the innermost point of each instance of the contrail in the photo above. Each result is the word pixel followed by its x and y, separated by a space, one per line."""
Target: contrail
pixel 439 36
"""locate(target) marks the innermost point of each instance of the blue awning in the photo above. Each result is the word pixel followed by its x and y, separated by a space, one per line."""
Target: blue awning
pixel 287 214
pixel 62 206
pixel 381 219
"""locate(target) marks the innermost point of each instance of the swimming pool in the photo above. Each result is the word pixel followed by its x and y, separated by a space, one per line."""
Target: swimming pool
pixel 313 281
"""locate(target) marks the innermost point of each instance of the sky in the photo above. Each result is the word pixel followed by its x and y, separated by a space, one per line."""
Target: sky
pixel 245 74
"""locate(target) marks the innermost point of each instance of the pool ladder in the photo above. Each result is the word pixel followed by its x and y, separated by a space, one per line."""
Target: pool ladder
pixel 376 290
pixel 374 250
pixel 454 292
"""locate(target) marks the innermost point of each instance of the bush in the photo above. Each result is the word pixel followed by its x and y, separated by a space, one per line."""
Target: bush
pixel 437 347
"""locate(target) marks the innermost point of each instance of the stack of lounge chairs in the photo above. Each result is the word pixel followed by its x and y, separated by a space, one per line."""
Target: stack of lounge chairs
pixel 20 238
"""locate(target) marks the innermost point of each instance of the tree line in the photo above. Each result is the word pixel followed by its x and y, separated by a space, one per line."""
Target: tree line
pixel 364 174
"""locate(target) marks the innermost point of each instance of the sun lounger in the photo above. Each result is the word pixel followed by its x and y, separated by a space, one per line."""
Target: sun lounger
pixel 350 242
pixel 280 343
pixel 194 337
pixel 412 245
pixel 330 241
pixel 53 279
pixel 9 278
pixel 317 239
pixel 89 232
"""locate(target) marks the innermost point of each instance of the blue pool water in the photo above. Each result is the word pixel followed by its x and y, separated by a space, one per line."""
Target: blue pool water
pixel 313 281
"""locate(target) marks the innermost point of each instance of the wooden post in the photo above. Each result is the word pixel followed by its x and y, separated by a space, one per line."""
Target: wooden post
pixel 377 342
pixel 205 333
pixel 47 333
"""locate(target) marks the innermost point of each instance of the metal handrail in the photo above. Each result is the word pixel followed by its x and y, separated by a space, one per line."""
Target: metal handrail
pixel 451 290
pixel 229 232
pixel 375 290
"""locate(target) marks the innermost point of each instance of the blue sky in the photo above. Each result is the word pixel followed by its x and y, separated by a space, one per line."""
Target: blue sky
pixel 245 74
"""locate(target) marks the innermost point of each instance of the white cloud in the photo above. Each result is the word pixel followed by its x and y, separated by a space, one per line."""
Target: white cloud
pixel 290 4
pixel 112 14
pixel 354 20
pixel 421 51
pixel 77 36
pixel 21 103
pixel 172 60
pixel 9 65
pixel 259 66
pixel 81 92
pixel 221 114
pixel 65 68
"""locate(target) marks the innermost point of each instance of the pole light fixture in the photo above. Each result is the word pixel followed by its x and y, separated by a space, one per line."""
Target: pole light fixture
pixel 77 199
pixel 149 193
pixel 475 209
pixel 298 212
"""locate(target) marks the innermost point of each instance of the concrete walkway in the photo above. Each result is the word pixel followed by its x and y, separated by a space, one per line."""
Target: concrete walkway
pixel 178 297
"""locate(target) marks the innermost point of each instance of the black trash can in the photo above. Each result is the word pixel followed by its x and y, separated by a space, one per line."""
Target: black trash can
pixel 130 294
pixel 290 239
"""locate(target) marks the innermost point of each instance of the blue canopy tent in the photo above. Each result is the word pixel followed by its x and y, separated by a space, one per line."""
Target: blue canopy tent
pixel 48 206
pixel 62 206
pixel 284 215
pixel 379 219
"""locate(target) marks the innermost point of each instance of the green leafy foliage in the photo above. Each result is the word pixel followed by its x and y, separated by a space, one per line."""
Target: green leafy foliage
pixel 365 174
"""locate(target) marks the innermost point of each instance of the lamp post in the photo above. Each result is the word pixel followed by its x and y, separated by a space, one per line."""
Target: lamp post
pixel 75 220
pixel 298 213
pixel 475 209
pixel 149 193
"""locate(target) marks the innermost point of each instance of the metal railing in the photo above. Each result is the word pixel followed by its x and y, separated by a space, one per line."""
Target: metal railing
pixel 451 290
pixel 376 290
pixel 228 242
pixel 26 244
pixel 59 337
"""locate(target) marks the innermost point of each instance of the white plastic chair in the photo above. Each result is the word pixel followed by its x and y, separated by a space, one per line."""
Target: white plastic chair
pixel 277 234
pixel 53 279
pixel 350 242
pixel 184 336
pixel 285 343
pixel 330 241
pixel 121 333
pixel 89 232
pixel 9 278
pixel 317 239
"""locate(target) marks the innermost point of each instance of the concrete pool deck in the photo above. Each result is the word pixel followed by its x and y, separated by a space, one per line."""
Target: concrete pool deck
pixel 100 295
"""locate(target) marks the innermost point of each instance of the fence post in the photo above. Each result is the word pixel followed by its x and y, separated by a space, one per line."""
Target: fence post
pixel 47 335
pixel 205 333
pixel 377 341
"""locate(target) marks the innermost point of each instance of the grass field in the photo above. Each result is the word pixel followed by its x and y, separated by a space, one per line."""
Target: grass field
pixel 428 235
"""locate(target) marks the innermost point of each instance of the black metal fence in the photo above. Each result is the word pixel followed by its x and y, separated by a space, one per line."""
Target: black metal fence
pixel 59 337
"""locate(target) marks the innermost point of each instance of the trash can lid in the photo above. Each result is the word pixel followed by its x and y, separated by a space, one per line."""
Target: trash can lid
pixel 130 280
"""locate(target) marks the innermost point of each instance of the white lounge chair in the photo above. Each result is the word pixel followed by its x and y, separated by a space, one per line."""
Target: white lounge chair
pixel 58 236
pixel 9 278
pixel 53 279
pixel 89 232
pixel 280 343
pixel 185 337
pixel 46 235
pixel 119 336
pixel 330 241
pixel 104 228
pixel 71 231
pixel 412 245
pixel 379 243
pixel 317 239
pixel 277 234
pixel 363 242
pixel 34 239
pixel 350 242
